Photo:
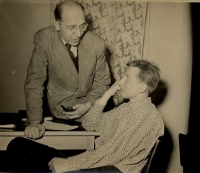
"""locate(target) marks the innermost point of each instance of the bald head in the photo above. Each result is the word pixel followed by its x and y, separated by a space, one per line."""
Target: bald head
pixel 69 7
pixel 71 22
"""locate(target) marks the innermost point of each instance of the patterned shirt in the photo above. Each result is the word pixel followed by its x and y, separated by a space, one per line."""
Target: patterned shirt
pixel 127 134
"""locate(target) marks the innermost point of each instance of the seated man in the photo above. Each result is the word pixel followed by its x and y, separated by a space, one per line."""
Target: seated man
pixel 128 132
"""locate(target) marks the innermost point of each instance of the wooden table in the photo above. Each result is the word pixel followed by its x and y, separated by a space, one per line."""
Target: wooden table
pixel 61 140
pixel 77 139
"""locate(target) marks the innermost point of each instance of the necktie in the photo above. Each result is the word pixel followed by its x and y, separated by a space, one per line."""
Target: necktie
pixel 74 59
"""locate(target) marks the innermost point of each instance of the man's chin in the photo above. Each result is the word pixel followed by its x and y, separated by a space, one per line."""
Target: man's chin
pixel 74 44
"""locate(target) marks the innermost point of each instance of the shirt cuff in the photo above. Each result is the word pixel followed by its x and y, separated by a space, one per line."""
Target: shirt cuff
pixel 97 102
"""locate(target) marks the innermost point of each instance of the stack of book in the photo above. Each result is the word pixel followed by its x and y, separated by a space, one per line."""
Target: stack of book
pixel 7 127
pixel 8 121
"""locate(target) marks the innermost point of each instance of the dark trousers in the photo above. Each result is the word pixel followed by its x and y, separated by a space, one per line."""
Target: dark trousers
pixel 25 155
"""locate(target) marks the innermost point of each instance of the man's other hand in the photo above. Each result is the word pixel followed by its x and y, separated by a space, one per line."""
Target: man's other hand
pixel 34 130
pixel 79 111
pixel 58 165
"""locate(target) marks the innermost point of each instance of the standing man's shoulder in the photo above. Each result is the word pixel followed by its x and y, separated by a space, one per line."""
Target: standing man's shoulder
pixel 46 31
pixel 46 36
pixel 93 39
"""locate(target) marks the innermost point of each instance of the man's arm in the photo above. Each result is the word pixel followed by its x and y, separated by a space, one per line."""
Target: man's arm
pixel 34 86
pixel 111 152
pixel 130 142
pixel 91 119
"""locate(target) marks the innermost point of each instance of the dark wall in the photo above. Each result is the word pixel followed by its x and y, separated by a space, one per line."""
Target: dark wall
pixel 194 104
pixel 189 143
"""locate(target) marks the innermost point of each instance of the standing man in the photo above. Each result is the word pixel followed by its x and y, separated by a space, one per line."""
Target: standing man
pixel 72 61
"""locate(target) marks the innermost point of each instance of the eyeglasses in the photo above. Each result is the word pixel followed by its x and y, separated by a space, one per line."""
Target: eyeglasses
pixel 73 29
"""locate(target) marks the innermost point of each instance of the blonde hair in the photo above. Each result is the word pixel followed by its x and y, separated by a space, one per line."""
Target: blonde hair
pixel 149 73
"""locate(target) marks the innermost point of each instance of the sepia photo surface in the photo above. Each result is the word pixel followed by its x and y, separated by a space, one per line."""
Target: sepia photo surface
pixel 163 32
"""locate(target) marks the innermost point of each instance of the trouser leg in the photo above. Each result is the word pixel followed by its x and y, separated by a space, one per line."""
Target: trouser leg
pixel 25 154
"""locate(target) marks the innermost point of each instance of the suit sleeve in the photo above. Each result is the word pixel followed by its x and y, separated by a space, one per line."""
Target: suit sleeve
pixel 34 83
pixel 102 77
pixel 92 118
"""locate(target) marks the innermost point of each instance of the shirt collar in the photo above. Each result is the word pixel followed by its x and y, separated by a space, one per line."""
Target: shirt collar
pixel 141 102
pixel 73 49
pixel 63 41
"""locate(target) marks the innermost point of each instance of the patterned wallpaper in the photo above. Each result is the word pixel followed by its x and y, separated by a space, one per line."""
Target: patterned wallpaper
pixel 121 24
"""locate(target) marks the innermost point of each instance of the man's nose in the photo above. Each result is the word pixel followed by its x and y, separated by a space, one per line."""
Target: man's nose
pixel 78 32
pixel 122 80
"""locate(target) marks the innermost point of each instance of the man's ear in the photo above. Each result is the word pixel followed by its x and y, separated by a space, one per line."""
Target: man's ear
pixel 57 25
pixel 143 88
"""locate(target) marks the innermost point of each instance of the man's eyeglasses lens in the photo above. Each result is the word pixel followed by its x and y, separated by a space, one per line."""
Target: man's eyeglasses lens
pixel 82 28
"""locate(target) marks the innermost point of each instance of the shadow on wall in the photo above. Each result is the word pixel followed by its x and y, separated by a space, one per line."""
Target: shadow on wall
pixel 162 157
pixel 159 94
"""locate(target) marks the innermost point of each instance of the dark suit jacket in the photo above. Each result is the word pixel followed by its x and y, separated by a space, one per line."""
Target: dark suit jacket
pixel 51 60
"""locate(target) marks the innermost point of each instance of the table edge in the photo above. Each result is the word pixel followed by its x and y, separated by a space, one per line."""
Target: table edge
pixel 55 133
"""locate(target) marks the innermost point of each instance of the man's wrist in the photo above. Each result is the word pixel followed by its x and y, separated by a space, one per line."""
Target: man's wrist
pixel 34 122
pixel 106 96
pixel 89 105
pixel 103 100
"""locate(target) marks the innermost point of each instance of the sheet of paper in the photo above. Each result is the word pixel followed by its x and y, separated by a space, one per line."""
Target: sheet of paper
pixel 45 118
pixel 11 126
pixel 58 126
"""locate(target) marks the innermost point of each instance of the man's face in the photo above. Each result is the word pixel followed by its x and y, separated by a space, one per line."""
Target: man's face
pixel 72 25
pixel 130 84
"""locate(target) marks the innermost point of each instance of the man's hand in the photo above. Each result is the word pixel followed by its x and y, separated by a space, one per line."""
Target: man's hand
pixel 58 165
pixel 79 110
pixel 110 92
pixel 113 89
pixel 34 130
pixel 117 98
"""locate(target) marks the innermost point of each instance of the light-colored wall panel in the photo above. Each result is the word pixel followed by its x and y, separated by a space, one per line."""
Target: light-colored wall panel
pixel 19 21
pixel 170 46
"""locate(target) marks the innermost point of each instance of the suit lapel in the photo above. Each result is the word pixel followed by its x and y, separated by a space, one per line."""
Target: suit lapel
pixel 63 56
pixel 86 61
